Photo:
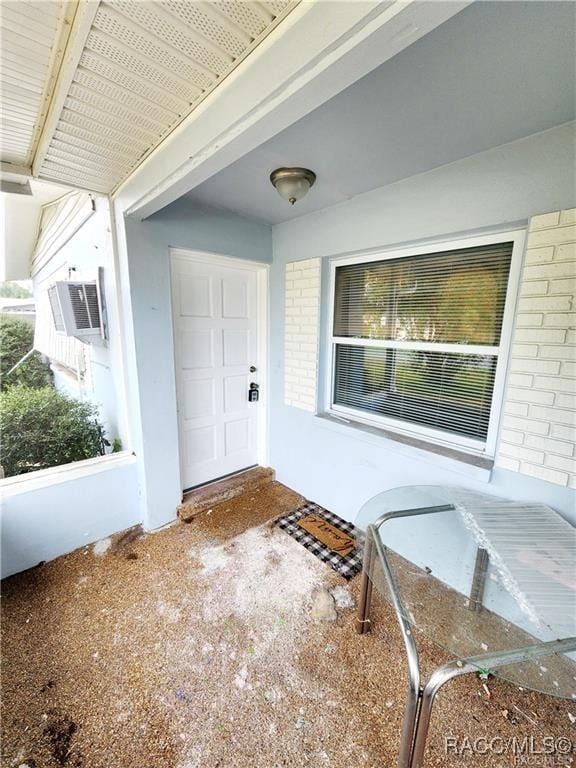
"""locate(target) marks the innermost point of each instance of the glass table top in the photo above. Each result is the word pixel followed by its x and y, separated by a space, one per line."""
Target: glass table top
pixel 530 589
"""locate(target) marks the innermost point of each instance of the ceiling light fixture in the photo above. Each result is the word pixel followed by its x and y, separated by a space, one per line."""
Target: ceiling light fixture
pixel 292 183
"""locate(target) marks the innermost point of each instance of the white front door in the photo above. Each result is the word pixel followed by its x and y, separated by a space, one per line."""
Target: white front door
pixel 215 337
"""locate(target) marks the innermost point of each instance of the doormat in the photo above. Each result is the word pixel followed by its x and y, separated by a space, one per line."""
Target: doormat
pixel 331 539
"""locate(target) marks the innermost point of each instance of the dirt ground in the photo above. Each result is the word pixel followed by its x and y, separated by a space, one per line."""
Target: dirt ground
pixel 194 647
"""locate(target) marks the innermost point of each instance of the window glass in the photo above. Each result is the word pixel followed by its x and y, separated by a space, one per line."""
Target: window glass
pixel 445 391
pixel 416 340
pixel 448 297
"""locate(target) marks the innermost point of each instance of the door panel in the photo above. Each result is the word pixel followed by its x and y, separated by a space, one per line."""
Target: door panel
pixel 215 334
pixel 235 389
pixel 237 347
pixel 198 398
pixel 200 445
pixel 236 436
pixel 234 299
pixel 196 297
pixel 197 348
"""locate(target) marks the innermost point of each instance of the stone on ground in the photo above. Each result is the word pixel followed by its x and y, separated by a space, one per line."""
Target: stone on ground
pixel 323 605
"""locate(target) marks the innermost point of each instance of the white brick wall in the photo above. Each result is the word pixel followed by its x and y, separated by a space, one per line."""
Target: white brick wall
pixel 301 315
pixel 539 424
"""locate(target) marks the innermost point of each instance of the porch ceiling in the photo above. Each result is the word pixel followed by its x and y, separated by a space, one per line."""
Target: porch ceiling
pixel 494 73
pixel 133 70
pixel 32 40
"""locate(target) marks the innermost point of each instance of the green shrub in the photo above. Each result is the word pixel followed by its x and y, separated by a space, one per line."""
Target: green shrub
pixel 11 290
pixel 43 428
pixel 17 339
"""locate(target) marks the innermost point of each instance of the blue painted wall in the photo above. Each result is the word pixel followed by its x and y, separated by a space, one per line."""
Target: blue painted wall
pixel 183 224
pixel 60 512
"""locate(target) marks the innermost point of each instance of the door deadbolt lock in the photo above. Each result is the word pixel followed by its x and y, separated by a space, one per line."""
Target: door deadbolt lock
pixel 253 369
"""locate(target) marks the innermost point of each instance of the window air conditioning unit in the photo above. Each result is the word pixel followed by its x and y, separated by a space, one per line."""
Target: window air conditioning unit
pixel 78 309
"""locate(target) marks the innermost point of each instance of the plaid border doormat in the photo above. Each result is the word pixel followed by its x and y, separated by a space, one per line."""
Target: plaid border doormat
pixel 347 565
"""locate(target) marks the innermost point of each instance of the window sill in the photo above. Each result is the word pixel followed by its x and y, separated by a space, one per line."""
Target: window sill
pixel 477 467
pixel 42 478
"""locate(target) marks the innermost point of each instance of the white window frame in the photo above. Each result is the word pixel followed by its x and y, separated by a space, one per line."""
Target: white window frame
pixel 501 351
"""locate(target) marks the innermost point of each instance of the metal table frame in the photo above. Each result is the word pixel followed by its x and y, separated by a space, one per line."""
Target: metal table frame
pixel 420 698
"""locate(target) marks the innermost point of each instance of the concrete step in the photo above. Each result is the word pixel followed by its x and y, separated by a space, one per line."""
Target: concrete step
pixel 208 496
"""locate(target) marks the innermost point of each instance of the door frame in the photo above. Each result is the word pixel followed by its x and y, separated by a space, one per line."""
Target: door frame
pixel 262 272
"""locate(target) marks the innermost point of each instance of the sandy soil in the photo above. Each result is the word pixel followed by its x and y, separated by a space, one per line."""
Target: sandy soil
pixel 195 647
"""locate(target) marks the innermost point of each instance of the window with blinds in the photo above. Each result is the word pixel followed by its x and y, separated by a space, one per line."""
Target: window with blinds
pixel 416 340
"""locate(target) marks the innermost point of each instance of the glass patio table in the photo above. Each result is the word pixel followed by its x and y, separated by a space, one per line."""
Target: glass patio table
pixel 490 581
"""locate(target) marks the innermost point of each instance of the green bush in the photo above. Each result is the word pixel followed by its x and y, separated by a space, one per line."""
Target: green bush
pixel 11 290
pixel 16 339
pixel 43 428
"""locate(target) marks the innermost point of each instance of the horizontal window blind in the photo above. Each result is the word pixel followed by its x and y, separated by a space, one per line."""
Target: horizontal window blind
pixel 444 391
pixel 416 339
pixel 451 297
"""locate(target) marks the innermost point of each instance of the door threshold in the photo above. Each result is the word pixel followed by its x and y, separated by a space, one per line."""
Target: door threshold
pixel 218 479
pixel 204 497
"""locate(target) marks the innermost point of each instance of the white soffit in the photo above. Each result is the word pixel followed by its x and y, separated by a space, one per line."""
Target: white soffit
pixel 143 66
pixel 33 37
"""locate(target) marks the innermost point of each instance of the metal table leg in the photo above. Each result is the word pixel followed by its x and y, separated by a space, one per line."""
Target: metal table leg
pixel 362 623
pixel 414 694
pixel 373 547
pixel 479 580
pixel 456 668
